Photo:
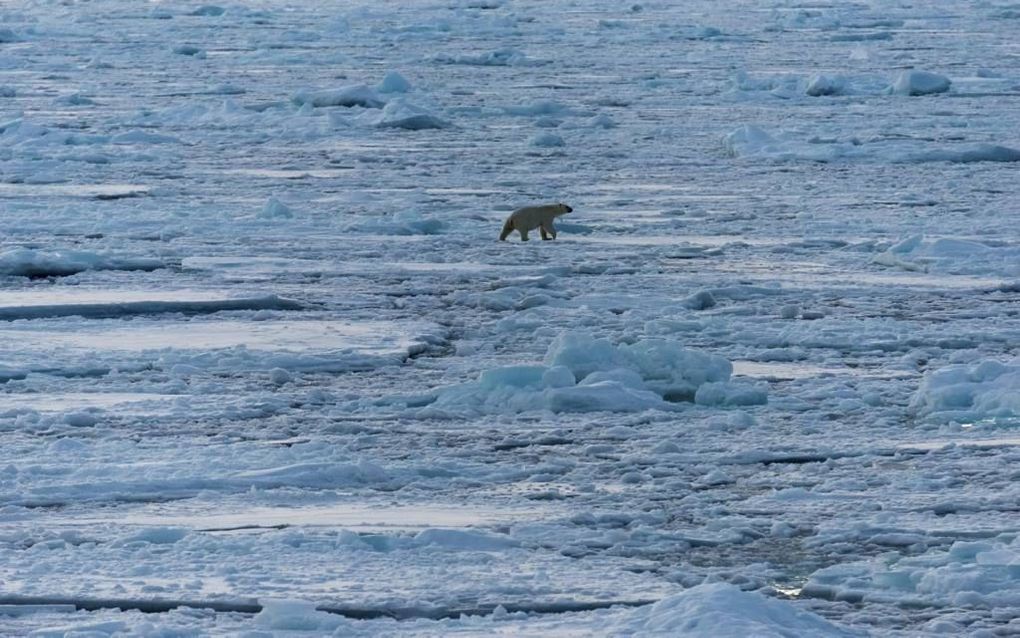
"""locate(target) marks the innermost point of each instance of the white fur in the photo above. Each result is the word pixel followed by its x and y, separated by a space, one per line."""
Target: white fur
pixel 531 217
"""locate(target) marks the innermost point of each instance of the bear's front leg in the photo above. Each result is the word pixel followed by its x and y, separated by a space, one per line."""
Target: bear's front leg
pixel 545 235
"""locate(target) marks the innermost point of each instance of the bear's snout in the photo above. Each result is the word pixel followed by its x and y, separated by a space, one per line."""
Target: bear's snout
pixel 569 209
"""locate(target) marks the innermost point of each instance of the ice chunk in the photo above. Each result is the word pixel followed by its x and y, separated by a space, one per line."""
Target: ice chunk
pixel 605 396
pixel 209 10
pixel 820 85
pixel 74 99
pixel 82 419
pixel 275 209
pixel 700 300
pixel 646 375
pixel 967 155
pixel 730 394
pixel 322 475
pixel 748 140
pixel 513 376
pixel 547 140
pixel 354 95
pixel 295 615
pixel 189 49
pixel 541 107
pixel 582 354
pixel 24 262
pixel 402 114
pixel 154 535
pixel 955 255
pixel 143 137
pixel 979 575
pixel 753 142
pixel 981 391
pixel 279 376
pixel 558 377
pixel 467 540
pixel 919 83
pixel 721 610
pixel 393 82
pixel 500 57
pixel 402 223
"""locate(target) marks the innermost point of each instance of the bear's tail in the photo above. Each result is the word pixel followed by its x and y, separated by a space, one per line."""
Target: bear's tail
pixel 508 227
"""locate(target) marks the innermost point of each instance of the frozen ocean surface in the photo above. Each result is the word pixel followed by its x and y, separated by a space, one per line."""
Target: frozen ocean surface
pixel 266 370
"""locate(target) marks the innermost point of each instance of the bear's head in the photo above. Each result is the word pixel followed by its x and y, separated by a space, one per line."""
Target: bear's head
pixel 564 209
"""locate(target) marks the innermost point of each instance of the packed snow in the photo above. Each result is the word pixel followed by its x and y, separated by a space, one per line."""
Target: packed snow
pixel 265 368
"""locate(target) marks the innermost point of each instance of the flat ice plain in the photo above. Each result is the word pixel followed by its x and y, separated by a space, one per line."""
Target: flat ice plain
pixel 266 370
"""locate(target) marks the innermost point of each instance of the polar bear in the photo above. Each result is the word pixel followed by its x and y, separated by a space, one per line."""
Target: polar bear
pixel 530 217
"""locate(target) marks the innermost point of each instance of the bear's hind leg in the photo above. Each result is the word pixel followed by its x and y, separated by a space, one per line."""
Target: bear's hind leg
pixel 524 233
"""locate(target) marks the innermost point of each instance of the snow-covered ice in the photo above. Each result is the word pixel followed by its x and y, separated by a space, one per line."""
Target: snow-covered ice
pixel 265 368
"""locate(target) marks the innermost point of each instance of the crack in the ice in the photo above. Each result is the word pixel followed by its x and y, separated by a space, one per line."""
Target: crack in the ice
pixel 249 606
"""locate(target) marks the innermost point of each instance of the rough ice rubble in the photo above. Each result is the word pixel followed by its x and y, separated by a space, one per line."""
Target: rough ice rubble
pixel 500 57
pixel 707 611
pixel 978 392
pixel 584 374
pixel 983 574
pixel 396 112
pixel 753 142
pixel 952 255
pixel 74 480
